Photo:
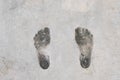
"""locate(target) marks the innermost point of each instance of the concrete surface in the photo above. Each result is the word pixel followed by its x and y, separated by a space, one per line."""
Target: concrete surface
pixel 21 19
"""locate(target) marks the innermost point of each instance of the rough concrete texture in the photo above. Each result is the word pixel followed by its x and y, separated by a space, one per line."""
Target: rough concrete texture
pixel 21 19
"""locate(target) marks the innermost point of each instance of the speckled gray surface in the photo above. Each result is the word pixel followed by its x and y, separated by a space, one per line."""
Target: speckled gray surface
pixel 21 19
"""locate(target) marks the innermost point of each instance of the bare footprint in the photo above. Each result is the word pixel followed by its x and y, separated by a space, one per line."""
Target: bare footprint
pixel 84 39
pixel 41 41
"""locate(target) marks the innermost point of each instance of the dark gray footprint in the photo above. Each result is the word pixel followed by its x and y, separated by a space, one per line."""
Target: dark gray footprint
pixel 84 39
pixel 41 41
